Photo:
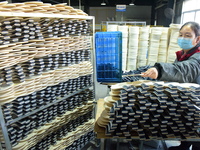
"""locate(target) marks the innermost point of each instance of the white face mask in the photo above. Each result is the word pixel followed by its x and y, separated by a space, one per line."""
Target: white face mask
pixel 185 43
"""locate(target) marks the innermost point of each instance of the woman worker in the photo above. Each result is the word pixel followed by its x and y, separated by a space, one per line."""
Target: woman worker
pixel 185 69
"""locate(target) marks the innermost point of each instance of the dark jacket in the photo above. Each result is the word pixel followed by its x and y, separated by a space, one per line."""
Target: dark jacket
pixel 184 71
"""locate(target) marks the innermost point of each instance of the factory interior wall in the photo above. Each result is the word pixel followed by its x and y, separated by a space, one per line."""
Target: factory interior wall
pixel 102 13
pixel 132 13
pixel 135 13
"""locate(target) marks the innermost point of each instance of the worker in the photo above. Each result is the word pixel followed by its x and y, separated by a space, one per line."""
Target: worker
pixel 185 69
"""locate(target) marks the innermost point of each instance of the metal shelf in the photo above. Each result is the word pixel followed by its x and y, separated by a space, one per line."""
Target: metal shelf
pixel 3 124
pixel 4 131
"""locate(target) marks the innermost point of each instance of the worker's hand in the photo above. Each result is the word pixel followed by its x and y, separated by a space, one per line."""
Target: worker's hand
pixel 151 73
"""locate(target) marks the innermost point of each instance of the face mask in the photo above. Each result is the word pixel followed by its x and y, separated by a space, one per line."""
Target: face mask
pixel 185 43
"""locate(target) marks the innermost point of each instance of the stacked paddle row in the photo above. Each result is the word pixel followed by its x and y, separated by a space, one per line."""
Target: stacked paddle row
pixel 63 27
pixel 77 144
pixel 62 131
pixel 36 66
pixel 20 52
pixel 38 134
pixel 81 142
pixel 16 30
pixel 20 30
pixel 153 111
pixel 25 104
pixel 74 135
pixel 40 82
pixel 19 130
pixel 40 7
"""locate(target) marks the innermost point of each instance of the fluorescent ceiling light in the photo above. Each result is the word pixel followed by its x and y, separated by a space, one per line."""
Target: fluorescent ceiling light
pixel 103 3
pixel 131 4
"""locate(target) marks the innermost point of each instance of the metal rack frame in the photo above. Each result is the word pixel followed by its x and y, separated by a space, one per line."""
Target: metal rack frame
pixel 3 124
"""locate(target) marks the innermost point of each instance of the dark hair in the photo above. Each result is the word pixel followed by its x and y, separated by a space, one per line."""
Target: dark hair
pixel 194 26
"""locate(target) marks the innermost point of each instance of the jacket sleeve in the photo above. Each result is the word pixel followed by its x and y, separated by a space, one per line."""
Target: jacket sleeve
pixel 180 71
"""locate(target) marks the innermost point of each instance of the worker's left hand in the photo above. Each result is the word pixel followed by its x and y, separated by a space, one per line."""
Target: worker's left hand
pixel 151 73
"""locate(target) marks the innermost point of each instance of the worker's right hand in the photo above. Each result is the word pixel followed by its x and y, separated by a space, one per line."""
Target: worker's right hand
pixel 151 73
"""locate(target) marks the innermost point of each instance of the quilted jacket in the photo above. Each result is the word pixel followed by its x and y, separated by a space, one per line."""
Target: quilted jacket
pixel 185 71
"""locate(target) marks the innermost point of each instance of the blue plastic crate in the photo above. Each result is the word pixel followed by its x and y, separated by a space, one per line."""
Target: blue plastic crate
pixel 108 56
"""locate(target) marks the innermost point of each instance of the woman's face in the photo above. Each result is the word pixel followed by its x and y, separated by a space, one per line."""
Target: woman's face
pixel 187 32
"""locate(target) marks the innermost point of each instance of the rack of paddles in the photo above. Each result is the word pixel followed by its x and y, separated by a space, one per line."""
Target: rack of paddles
pixel 149 110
